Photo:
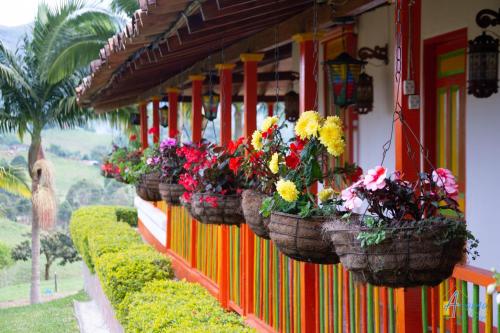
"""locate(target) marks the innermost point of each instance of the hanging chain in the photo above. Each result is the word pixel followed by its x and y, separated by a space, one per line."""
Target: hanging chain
pixel 315 53
pixel 276 65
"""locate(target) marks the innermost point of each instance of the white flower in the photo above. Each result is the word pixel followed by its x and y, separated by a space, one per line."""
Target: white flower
pixel 491 288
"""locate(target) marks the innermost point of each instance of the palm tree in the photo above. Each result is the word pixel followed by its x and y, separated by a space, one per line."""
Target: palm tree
pixel 37 83
pixel 126 6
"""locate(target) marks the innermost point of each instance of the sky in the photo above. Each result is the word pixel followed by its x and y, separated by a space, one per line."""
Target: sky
pixel 18 12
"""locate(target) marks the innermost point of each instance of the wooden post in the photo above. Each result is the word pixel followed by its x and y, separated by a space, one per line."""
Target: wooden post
pixel 156 119
pixel 308 94
pixel 250 125
pixel 270 109
pixel 196 116
pixel 143 116
pixel 226 83
pixel 408 301
pixel 173 96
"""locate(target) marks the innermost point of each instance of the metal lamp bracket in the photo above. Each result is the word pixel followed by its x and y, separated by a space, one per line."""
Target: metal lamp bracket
pixel 487 17
pixel 378 52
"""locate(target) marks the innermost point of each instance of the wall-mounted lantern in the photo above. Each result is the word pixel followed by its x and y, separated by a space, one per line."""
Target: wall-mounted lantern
pixel 344 74
pixel 364 94
pixel 210 105
pixel 135 119
pixel 164 112
pixel 483 57
pixel 292 104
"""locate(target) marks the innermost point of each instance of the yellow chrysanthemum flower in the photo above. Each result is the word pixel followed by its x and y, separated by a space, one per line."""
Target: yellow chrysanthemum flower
pixel 257 140
pixel 325 194
pixel 331 135
pixel 273 164
pixel 287 190
pixel 308 125
pixel 269 122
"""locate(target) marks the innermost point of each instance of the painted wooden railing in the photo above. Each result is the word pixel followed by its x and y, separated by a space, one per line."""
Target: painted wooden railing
pixel 268 288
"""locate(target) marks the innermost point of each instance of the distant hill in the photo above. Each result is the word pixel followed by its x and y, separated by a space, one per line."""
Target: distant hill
pixel 11 35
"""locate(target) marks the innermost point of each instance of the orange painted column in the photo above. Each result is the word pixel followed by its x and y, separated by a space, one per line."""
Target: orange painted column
pixel 143 116
pixel 308 99
pixel 196 116
pixel 173 105
pixel 226 92
pixel 250 61
pixel 408 301
pixel 156 119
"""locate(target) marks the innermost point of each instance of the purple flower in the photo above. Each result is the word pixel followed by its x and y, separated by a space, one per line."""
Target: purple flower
pixel 168 143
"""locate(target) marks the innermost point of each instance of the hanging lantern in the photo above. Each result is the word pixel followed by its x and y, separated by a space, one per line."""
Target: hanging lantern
pixel 364 94
pixel 135 119
pixel 292 106
pixel 344 73
pixel 164 116
pixel 210 105
pixel 483 66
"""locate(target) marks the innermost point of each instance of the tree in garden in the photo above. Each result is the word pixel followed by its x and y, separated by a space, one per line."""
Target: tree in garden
pixel 5 257
pixel 13 180
pixel 37 83
pixel 126 6
pixel 54 246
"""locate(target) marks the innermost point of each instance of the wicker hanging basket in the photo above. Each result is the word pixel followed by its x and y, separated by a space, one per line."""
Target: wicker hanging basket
pixel 171 193
pixel 406 258
pixel 147 187
pixel 228 210
pixel 301 238
pixel 251 201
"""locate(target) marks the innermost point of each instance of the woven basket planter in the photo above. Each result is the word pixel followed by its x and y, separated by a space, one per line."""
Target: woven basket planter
pixel 171 193
pixel 147 187
pixel 301 238
pixel 406 258
pixel 228 210
pixel 251 201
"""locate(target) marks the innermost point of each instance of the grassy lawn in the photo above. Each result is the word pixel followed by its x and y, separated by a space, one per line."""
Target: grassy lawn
pixel 15 280
pixel 76 139
pixel 51 317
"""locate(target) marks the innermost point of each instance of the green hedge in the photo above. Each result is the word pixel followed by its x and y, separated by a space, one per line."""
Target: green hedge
pixel 137 279
pixel 127 215
pixel 178 306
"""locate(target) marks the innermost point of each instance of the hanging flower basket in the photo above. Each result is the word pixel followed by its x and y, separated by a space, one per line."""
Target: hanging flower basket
pixel 301 238
pixel 251 201
pixel 412 254
pixel 171 193
pixel 147 187
pixel 210 208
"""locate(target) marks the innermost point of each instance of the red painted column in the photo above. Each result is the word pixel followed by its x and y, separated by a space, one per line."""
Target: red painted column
pixel 196 116
pixel 226 91
pixel 270 109
pixel 173 97
pixel 408 301
pixel 307 83
pixel 143 116
pixel 308 95
pixel 250 61
pixel 156 119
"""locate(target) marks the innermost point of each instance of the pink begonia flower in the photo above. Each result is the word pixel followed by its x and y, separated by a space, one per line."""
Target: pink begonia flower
pixel 149 161
pixel 375 179
pixel 445 179
pixel 351 200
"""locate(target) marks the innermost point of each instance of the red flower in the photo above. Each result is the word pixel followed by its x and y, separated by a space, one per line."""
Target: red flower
pixel 354 176
pixel 186 196
pixel 292 161
pixel 235 163
pixel 188 182
pixel 153 131
pixel 298 145
pixel 234 145
pixel 211 200
pixel 132 137
pixel 255 157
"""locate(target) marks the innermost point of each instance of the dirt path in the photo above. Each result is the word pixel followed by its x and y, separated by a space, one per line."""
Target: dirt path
pixel 22 302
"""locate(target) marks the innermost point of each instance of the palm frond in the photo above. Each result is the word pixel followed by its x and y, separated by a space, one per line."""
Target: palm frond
pixel 126 6
pixel 13 180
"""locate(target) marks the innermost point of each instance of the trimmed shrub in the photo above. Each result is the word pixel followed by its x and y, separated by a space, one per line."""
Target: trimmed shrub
pixel 127 272
pixel 127 215
pixel 5 259
pixel 178 306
